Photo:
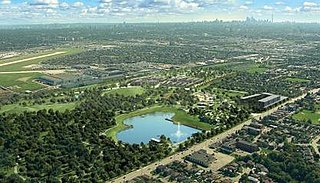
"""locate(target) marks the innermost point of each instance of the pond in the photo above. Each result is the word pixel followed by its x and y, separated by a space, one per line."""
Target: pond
pixel 145 127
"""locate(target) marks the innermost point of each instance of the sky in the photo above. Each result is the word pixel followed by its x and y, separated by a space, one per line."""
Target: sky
pixel 113 11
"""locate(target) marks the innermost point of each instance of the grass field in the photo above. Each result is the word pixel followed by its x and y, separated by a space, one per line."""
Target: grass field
pixel 306 115
pixel 297 80
pixel 230 93
pixel 180 116
pixel 132 91
pixel 251 68
pixel 20 82
pixel 242 67
pixel 16 108
pixel 21 66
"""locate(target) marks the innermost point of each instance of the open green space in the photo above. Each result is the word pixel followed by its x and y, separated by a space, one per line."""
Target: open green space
pixel 306 115
pixel 132 91
pixel 242 67
pixel 20 82
pixel 251 68
pixel 229 93
pixel 16 108
pixel 180 117
pixel 298 80
pixel 22 65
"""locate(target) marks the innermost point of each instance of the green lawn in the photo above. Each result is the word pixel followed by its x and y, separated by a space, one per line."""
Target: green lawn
pixel 20 82
pixel 16 108
pixel 132 91
pixel 298 80
pixel 21 66
pixel 308 115
pixel 242 67
pixel 230 93
pixel 180 116
pixel 251 68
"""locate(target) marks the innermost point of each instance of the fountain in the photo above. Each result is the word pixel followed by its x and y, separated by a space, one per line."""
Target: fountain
pixel 178 133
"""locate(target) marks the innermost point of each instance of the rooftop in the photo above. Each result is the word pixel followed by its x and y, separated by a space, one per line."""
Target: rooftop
pixel 269 98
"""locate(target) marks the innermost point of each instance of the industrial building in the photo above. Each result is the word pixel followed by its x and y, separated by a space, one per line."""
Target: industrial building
pixel 67 80
pixel 49 80
pixel 262 101
pixel 201 158
pixel 246 146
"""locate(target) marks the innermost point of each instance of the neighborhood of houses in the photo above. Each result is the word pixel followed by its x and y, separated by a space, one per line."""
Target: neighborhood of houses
pixel 267 134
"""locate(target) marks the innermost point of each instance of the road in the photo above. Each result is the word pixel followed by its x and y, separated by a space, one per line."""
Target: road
pixel 180 156
pixel 35 71
pixel 32 58
pixel 314 144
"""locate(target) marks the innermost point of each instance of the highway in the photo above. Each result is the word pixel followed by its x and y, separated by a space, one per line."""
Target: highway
pixel 180 156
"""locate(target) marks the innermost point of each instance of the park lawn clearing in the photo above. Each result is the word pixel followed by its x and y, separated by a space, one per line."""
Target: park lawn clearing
pixel 22 63
pixel 250 68
pixel 306 115
pixel 180 116
pixel 297 80
pixel 130 91
pixel 16 108
pixel 20 81
pixel 243 67
pixel 230 93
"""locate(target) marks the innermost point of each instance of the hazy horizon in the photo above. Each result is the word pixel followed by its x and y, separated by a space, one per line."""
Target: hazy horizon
pixel 152 11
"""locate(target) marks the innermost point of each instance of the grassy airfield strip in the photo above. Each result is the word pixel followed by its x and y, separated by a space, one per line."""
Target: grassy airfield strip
pixel 33 58
pixel 17 77
pixel 21 63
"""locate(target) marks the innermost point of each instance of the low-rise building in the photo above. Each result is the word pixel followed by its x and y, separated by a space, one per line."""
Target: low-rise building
pixel 247 146
pixel 262 101
pixel 201 158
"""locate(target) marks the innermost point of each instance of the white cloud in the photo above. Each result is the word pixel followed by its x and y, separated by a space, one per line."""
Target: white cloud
pixel 64 5
pixel 310 4
pixel 50 3
pixel 135 9
pixel 93 9
pixel 181 4
pixel 288 9
pixel 243 7
pixel 78 4
pixel 280 3
pixel 266 7
pixel 51 11
pixel 106 1
pixel 5 2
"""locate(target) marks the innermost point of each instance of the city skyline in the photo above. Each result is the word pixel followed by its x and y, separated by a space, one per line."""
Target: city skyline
pixel 114 11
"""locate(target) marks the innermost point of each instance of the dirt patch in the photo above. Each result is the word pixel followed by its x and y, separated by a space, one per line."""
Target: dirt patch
pixel 222 160
pixel 24 79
